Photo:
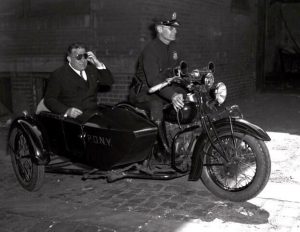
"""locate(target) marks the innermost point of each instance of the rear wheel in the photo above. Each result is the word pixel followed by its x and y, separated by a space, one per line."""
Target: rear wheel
pixel 243 174
pixel 29 174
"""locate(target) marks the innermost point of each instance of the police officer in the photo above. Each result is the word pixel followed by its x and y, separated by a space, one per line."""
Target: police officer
pixel 155 65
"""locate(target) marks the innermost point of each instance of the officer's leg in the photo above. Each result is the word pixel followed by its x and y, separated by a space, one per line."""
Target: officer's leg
pixel 156 109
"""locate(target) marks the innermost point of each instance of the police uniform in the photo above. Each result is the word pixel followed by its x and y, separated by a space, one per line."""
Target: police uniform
pixel 155 64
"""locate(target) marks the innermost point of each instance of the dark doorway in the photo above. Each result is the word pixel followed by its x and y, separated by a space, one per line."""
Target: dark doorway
pixel 5 95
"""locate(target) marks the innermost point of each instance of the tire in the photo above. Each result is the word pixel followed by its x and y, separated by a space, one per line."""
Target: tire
pixel 244 175
pixel 28 173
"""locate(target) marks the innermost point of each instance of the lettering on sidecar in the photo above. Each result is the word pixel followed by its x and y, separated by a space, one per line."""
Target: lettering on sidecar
pixel 96 139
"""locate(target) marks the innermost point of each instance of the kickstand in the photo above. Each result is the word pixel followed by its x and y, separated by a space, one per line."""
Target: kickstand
pixel 122 173
pixel 85 176
pixel 119 174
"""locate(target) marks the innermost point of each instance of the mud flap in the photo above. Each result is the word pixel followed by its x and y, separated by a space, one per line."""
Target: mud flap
pixel 197 158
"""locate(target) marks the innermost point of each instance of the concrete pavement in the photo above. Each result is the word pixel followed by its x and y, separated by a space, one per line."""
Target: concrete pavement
pixel 66 203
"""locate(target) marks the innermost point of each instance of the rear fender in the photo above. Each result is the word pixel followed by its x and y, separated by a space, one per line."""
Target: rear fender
pixel 33 133
pixel 238 125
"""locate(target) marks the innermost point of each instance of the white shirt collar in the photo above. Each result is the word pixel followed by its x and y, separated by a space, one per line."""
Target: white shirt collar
pixel 78 72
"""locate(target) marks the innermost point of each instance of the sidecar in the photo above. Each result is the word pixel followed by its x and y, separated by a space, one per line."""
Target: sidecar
pixel 112 138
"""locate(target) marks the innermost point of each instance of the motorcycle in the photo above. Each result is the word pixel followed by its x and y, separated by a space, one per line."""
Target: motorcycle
pixel 203 140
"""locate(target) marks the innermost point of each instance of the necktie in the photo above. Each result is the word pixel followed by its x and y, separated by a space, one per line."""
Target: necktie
pixel 81 74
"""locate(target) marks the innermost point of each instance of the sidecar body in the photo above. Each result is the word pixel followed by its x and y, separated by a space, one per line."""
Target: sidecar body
pixel 113 137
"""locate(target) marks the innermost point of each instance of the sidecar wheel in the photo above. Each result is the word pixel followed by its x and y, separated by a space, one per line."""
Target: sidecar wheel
pixel 28 173
pixel 244 175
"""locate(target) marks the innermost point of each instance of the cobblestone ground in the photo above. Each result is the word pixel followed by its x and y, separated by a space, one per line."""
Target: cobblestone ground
pixel 66 203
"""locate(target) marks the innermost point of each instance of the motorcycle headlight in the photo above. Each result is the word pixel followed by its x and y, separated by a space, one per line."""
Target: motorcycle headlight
pixel 209 80
pixel 220 92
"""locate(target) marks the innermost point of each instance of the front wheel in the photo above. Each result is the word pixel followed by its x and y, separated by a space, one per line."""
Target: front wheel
pixel 242 173
pixel 29 174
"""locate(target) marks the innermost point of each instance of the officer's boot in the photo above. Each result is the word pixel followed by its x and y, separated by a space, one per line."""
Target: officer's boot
pixel 163 149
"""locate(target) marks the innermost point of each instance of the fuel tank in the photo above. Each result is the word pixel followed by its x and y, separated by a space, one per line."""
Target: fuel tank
pixel 117 136
pixel 185 115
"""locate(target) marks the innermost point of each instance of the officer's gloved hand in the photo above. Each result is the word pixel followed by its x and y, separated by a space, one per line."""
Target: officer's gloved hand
pixel 177 101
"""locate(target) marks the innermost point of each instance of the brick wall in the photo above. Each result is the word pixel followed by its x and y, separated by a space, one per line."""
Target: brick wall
pixel 35 34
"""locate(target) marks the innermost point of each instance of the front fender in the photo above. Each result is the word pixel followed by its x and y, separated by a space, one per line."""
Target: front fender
pixel 238 125
pixel 242 126
pixel 33 133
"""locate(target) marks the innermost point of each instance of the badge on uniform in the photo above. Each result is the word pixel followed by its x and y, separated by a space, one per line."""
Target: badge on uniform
pixel 175 55
pixel 174 15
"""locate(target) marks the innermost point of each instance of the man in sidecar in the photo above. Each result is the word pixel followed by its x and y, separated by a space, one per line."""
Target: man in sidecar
pixel 155 65
pixel 72 89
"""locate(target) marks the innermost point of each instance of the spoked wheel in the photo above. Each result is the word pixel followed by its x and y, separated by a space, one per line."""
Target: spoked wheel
pixel 29 174
pixel 242 173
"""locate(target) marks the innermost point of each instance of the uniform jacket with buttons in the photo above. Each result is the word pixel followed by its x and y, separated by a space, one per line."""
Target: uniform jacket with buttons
pixel 155 64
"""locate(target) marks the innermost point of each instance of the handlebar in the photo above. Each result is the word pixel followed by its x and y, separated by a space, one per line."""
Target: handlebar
pixel 159 86
pixel 197 76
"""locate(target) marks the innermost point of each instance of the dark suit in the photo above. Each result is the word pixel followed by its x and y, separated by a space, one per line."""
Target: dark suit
pixel 66 89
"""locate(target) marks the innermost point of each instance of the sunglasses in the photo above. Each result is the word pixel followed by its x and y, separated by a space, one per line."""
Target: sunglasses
pixel 80 56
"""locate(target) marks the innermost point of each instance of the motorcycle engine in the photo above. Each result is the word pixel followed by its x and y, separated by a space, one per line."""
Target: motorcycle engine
pixel 185 142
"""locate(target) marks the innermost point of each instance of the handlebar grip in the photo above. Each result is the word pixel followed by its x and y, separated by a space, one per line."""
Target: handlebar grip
pixel 158 87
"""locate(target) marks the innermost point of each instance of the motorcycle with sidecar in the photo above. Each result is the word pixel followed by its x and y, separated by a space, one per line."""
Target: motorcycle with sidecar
pixel 204 140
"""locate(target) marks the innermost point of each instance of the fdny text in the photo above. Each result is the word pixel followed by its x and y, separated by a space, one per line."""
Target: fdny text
pixel 105 141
